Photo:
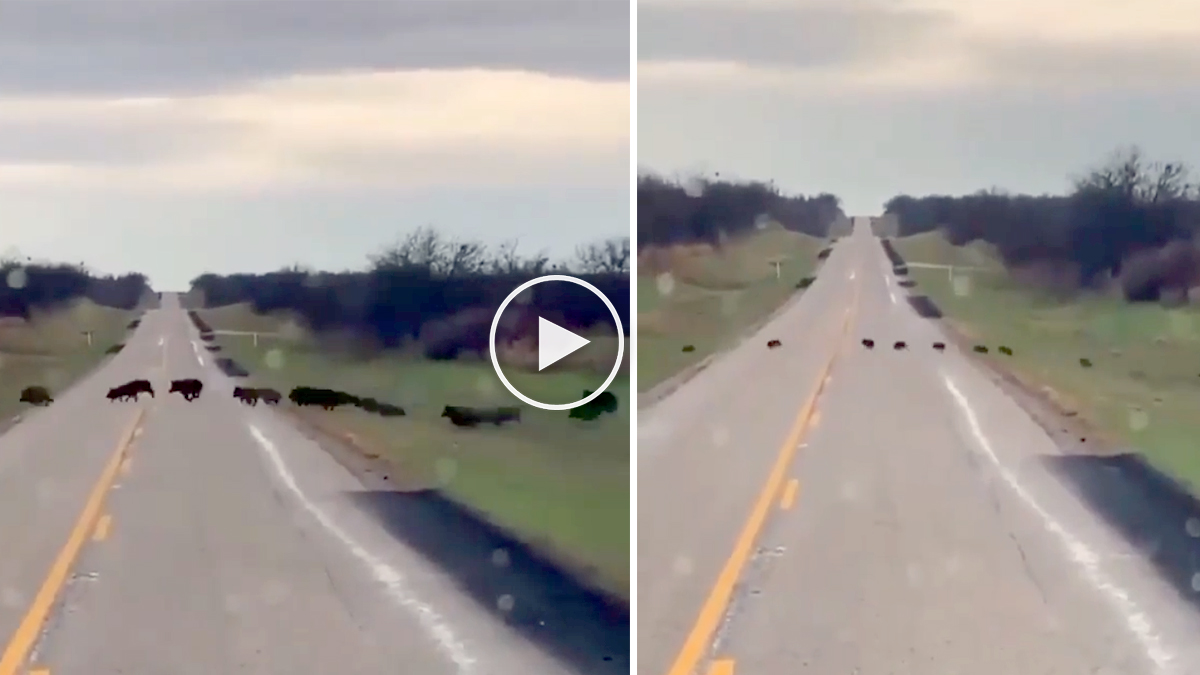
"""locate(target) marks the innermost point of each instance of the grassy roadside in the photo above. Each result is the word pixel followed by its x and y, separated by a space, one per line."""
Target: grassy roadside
pixel 558 484
pixel 705 297
pixel 50 349
pixel 1144 387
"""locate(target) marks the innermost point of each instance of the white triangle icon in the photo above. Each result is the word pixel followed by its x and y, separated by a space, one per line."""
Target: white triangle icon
pixel 555 342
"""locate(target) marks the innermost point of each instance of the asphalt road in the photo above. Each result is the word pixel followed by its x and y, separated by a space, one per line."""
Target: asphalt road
pixel 218 539
pixel 822 508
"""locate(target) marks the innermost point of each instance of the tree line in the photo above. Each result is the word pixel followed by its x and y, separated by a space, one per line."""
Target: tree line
pixel 27 286
pixel 709 209
pixel 1129 221
pixel 438 291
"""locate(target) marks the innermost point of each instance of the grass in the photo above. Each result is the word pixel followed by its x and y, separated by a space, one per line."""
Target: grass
pixel 705 297
pixel 556 483
pixel 50 349
pixel 1144 387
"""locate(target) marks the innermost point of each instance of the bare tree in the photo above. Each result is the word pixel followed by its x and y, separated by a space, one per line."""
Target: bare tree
pixel 1167 182
pixel 608 256
pixel 462 258
pixel 421 248
pixel 427 249
pixel 1127 174
pixel 505 259
pixel 537 265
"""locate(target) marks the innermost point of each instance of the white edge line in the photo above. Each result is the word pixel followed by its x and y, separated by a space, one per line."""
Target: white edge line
pixel 391 578
pixel 1136 620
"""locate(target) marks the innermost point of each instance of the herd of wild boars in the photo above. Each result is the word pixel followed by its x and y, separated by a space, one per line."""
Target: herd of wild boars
pixel 901 345
pixel 329 399
pixel 939 346
pixel 190 389
pixel 978 349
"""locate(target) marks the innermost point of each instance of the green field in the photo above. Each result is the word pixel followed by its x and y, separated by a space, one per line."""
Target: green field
pixel 559 484
pixel 1144 388
pixel 709 298
pixel 50 349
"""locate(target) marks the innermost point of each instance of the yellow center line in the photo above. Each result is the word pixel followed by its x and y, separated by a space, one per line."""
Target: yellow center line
pixel 26 634
pixel 712 611
pixel 125 465
pixel 721 667
pixel 789 494
pixel 102 527
pixel 40 671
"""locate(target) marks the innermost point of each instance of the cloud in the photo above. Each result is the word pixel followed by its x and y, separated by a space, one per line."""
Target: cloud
pixel 138 47
pixel 179 136
pixel 102 140
pixel 918 45
pixel 797 35
pixel 871 98
pixel 1130 63
pixel 407 129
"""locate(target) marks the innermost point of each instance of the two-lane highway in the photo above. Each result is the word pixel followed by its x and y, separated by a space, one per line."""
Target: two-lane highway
pixel 208 537
pixel 850 511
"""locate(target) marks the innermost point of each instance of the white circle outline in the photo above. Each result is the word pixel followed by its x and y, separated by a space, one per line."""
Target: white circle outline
pixel 612 375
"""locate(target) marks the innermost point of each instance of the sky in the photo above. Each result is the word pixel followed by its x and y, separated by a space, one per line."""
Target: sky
pixel 871 98
pixel 176 137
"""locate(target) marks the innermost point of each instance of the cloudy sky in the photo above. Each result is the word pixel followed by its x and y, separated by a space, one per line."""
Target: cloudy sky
pixel 174 137
pixel 869 98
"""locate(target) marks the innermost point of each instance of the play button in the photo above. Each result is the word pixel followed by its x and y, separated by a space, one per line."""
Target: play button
pixel 555 342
